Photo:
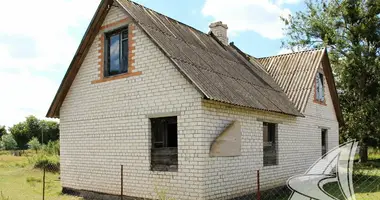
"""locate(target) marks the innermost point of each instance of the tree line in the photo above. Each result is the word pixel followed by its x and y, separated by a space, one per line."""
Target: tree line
pixel 32 129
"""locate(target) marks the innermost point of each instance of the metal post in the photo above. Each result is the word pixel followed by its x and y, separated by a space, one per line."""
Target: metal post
pixel 121 183
pixel 258 185
pixel 43 186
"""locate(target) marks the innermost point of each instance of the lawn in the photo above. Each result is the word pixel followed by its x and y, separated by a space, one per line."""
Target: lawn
pixel 366 179
pixel 19 181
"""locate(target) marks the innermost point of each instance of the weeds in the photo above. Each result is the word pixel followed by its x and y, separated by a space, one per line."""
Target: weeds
pixel 2 197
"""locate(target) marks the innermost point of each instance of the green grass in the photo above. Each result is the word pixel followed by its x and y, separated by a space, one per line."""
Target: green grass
pixel 19 180
pixel 366 179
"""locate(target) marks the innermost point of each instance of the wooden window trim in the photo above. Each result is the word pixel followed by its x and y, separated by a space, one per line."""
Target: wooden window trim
pixel 107 35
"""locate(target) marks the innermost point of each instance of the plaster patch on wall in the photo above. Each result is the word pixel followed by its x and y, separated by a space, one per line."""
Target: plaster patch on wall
pixel 228 143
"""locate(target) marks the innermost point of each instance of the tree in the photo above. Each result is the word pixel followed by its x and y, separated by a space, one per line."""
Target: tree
pixel 3 131
pixel 8 142
pixel 351 32
pixel 34 144
pixel 50 130
pixel 21 134
pixel 33 126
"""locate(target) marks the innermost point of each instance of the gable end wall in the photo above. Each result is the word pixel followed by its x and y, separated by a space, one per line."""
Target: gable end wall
pixel 106 124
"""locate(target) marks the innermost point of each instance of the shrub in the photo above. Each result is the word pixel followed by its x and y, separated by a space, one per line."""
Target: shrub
pixel 34 144
pixel 9 143
pixel 49 162
pixel 52 148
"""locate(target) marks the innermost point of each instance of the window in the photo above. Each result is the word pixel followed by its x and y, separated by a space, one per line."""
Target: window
pixel 324 141
pixel 117 52
pixel 164 152
pixel 270 146
pixel 320 89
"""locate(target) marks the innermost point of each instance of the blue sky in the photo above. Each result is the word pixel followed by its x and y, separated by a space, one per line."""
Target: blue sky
pixel 39 39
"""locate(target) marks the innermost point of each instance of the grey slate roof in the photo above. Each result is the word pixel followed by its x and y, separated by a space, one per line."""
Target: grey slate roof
pixel 295 73
pixel 220 72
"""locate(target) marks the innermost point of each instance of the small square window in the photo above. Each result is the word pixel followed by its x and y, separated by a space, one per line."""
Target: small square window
pixel 270 144
pixel 320 89
pixel 164 152
pixel 116 52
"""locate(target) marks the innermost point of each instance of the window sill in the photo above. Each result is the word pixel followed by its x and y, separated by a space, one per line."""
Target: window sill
pixel 116 77
pixel 320 102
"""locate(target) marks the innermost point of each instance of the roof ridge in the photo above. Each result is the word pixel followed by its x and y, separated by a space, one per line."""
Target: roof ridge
pixel 292 53
pixel 168 17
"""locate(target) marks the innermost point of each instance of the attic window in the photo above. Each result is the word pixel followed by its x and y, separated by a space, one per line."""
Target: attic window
pixel 117 52
pixel 320 89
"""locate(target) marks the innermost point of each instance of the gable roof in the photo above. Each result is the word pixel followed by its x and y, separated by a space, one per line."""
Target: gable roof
pixel 221 73
pixel 295 74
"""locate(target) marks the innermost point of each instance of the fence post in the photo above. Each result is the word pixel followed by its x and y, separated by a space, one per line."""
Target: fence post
pixel 258 185
pixel 121 183
pixel 43 184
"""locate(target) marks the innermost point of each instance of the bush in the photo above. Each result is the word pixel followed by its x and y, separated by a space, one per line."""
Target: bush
pixel 52 148
pixel 50 163
pixel 9 143
pixel 34 144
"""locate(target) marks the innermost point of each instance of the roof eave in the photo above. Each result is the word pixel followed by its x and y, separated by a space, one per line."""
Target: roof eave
pixel 332 87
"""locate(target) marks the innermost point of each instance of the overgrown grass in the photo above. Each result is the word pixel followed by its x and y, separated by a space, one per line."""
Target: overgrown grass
pixel 19 180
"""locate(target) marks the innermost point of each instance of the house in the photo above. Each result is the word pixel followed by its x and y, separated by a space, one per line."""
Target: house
pixel 185 111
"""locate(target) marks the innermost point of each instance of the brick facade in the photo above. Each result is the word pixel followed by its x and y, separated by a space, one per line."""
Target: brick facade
pixel 105 125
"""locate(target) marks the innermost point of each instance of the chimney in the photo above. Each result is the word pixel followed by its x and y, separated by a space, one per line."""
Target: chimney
pixel 220 31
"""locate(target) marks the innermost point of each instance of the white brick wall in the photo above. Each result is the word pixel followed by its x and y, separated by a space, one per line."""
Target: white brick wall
pixel 107 124
pixel 299 146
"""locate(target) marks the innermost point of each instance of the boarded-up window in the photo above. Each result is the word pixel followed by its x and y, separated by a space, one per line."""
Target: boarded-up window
pixel 324 141
pixel 270 144
pixel 320 89
pixel 164 152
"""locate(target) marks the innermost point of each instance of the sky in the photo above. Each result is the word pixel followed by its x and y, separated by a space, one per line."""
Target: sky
pixel 38 40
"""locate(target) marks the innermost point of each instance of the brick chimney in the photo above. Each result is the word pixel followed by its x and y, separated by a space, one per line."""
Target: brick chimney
pixel 220 31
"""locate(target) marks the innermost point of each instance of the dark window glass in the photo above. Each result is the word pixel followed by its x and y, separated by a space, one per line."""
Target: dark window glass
pixel 269 144
pixel 117 53
pixel 114 55
pixel 164 156
pixel 324 141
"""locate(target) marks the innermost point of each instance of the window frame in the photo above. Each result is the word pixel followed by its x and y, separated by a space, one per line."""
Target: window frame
pixel 158 153
pixel 107 36
pixel 319 82
pixel 274 140
pixel 324 139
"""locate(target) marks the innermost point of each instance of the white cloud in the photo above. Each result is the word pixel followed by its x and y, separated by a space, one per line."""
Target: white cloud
pixel 24 94
pixel 261 16
pixel 37 38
